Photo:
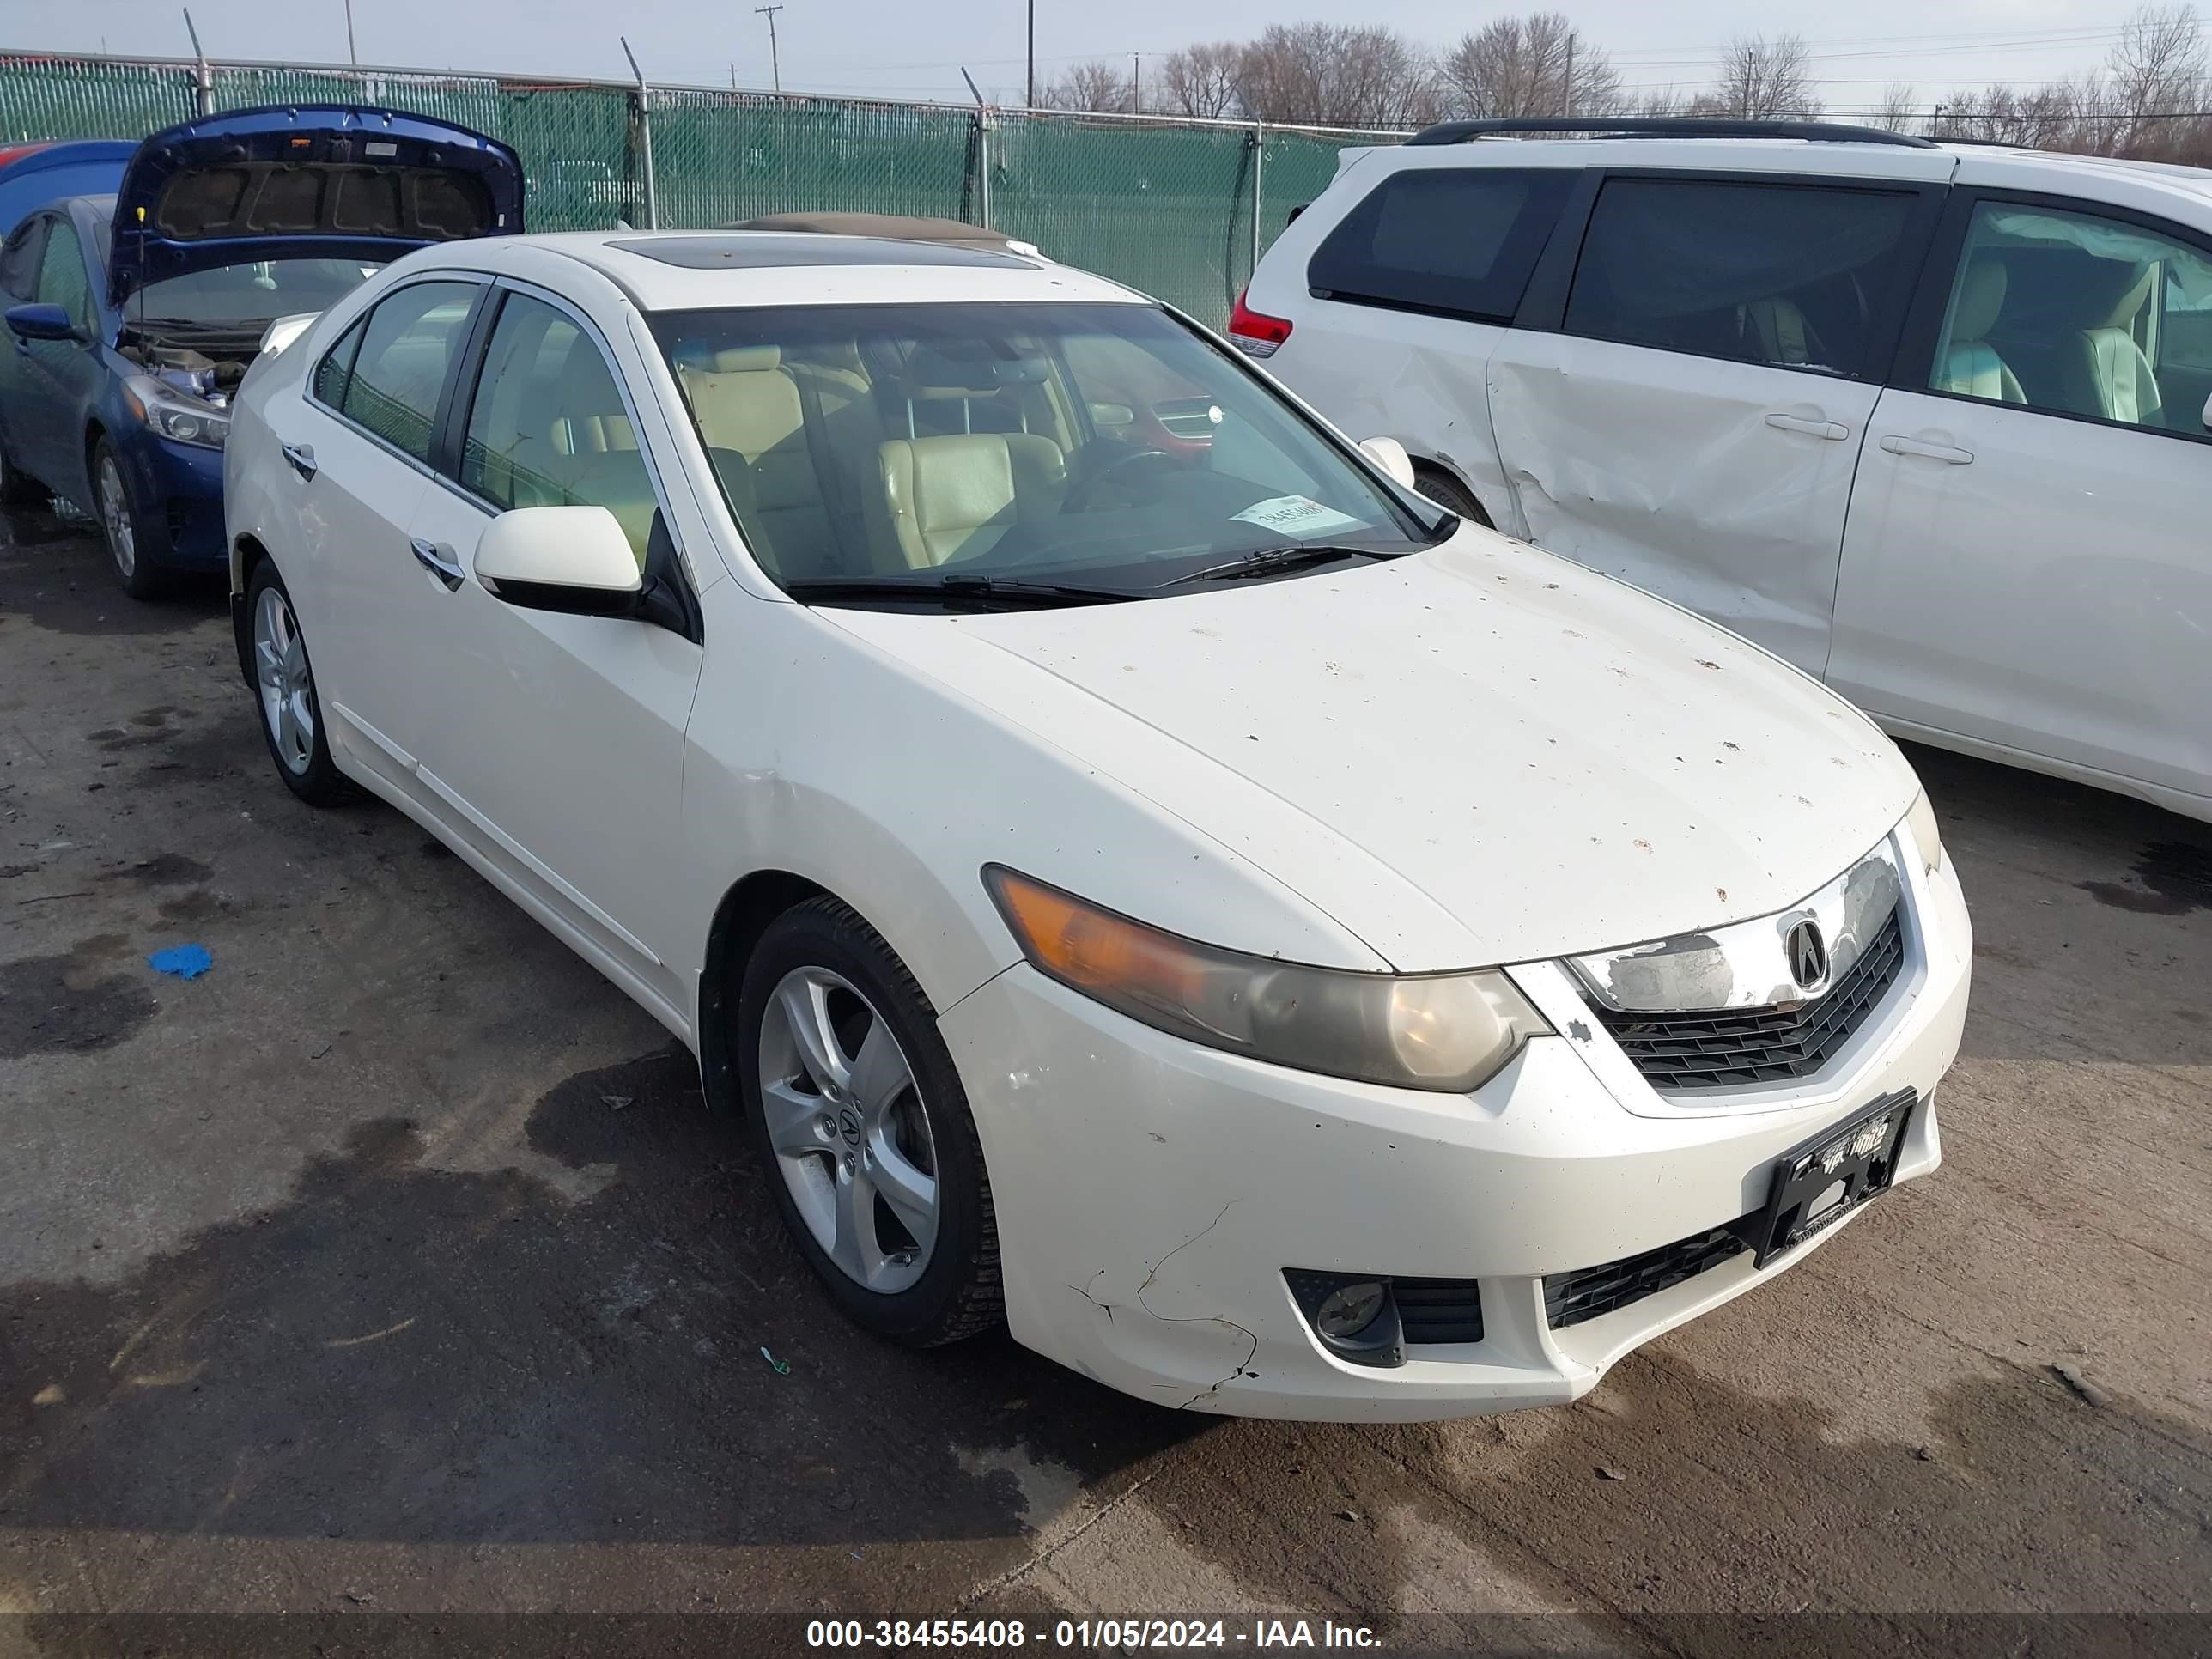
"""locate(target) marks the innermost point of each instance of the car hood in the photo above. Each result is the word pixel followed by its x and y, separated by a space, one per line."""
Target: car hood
pixel 336 181
pixel 1479 754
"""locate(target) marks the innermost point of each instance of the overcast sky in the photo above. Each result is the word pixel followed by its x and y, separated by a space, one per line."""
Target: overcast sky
pixel 914 48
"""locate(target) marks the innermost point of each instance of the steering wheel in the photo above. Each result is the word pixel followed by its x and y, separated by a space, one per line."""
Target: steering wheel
pixel 1078 498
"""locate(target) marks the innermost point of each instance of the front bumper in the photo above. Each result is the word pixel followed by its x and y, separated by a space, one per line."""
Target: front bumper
pixel 1150 1193
pixel 180 487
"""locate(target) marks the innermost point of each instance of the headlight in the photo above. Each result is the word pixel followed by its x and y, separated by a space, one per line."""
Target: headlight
pixel 172 415
pixel 1920 829
pixel 1448 1032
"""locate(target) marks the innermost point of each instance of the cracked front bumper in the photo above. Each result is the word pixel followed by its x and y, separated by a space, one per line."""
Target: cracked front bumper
pixel 1150 1194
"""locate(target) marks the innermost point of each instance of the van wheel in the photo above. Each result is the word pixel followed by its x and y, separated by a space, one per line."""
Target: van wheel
pixel 1445 490
pixel 852 1101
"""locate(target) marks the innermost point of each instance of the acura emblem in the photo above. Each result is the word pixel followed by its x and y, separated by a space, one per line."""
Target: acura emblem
pixel 1809 954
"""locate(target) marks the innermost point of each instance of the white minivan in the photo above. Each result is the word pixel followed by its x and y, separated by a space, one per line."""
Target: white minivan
pixel 1929 421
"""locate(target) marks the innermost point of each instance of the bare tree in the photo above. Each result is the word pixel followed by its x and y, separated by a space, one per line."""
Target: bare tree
pixel 1095 83
pixel 1535 65
pixel 1336 74
pixel 1760 80
pixel 1900 110
pixel 2159 71
pixel 1201 80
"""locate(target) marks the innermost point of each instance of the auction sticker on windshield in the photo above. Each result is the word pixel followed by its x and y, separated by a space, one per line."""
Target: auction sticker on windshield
pixel 1295 515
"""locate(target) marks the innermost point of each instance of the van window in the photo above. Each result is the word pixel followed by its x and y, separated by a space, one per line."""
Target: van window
pixel 1790 276
pixel 2072 313
pixel 1460 241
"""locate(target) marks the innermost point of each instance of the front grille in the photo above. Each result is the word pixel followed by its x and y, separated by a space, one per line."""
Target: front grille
pixel 1438 1310
pixel 1728 1047
pixel 1591 1292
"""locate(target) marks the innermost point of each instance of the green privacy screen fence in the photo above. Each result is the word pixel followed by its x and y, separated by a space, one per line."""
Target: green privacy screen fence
pixel 1167 206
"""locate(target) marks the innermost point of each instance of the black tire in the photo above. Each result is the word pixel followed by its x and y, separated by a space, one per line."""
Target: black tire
pixel 958 1294
pixel 17 486
pixel 125 526
pixel 307 771
pixel 1447 491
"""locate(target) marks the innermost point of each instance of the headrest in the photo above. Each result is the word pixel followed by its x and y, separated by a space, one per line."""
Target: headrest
pixel 730 360
pixel 1981 298
pixel 2128 285
pixel 932 372
pixel 829 354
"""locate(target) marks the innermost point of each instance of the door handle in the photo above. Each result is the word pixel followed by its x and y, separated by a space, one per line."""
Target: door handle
pixel 433 560
pixel 302 458
pixel 1896 444
pixel 1829 429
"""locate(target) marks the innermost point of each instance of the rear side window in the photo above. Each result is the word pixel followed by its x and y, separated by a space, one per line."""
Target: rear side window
pixel 1793 276
pixel 1460 241
pixel 400 369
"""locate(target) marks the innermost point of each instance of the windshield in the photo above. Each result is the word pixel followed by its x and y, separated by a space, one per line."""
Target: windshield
pixel 1014 446
pixel 239 296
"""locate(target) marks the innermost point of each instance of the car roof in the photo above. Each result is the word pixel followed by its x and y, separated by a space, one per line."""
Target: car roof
pixel 2184 188
pixel 691 269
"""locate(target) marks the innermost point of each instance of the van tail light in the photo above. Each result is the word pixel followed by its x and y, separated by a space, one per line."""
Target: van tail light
pixel 1255 332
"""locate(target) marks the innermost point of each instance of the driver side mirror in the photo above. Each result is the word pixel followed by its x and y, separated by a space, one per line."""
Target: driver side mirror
pixel 1390 455
pixel 571 559
pixel 38 321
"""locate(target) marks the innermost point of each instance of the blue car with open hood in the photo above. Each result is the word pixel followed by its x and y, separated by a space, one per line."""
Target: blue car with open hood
pixel 132 317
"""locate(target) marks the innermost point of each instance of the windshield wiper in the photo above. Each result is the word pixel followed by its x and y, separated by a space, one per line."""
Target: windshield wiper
pixel 1270 561
pixel 1007 591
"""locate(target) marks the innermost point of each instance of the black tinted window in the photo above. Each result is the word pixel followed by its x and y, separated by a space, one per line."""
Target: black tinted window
pixel 1431 239
pixel 1787 274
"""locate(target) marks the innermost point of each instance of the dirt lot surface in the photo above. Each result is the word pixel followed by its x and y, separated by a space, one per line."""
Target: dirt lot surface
pixel 393 1268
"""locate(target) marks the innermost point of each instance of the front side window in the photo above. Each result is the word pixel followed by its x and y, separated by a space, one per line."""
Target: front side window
pixel 336 370
pixel 63 280
pixel 400 369
pixel 548 427
pixel 1789 276
pixel 1457 239
pixel 2073 314
pixel 1032 443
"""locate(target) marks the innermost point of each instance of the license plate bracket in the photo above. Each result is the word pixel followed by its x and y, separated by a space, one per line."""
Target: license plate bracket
pixel 1860 1152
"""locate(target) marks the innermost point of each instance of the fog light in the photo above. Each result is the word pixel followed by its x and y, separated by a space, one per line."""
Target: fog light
pixel 1355 1317
pixel 1349 1308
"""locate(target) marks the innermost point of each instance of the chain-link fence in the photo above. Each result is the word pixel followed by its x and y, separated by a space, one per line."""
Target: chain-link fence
pixel 1178 208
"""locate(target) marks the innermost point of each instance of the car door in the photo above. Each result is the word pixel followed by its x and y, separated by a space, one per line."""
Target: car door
pixel 19 284
pixel 357 447
pixel 2027 568
pixel 557 750
pixel 1690 419
pixel 64 377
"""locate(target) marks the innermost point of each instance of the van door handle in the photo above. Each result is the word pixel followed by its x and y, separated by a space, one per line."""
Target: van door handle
pixel 1830 430
pixel 302 458
pixel 432 559
pixel 1897 444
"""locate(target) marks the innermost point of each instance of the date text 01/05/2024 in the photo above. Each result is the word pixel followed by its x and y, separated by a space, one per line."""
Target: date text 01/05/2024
pixel 1122 1634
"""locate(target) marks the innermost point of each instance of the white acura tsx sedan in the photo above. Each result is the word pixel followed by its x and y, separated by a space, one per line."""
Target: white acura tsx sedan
pixel 1141 871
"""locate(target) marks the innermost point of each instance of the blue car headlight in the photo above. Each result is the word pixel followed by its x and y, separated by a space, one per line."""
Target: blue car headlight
pixel 173 415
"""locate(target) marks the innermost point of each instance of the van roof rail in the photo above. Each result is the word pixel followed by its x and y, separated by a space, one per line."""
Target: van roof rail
pixel 1667 126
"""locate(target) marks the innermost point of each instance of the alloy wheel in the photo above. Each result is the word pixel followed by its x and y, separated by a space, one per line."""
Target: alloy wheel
pixel 850 1132
pixel 115 518
pixel 280 668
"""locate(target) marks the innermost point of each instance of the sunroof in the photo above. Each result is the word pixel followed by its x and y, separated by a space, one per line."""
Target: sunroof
pixel 759 250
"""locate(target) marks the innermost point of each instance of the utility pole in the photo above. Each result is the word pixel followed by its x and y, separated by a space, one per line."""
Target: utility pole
pixel 1032 97
pixel 1136 82
pixel 352 57
pixel 774 64
pixel 1567 96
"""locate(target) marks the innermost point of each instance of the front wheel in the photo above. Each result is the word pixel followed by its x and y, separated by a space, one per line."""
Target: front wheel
pixel 130 545
pixel 284 686
pixel 1447 491
pixel 17 486
pixel 851 1097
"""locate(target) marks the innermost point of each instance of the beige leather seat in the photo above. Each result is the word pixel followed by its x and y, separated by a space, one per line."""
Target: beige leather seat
pixel 1967 364
pixel 748 402
pixel 2103 370
pixel 1783 334
pixel 957 496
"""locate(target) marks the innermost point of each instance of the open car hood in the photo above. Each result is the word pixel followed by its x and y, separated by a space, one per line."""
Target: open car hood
pixel 330 181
